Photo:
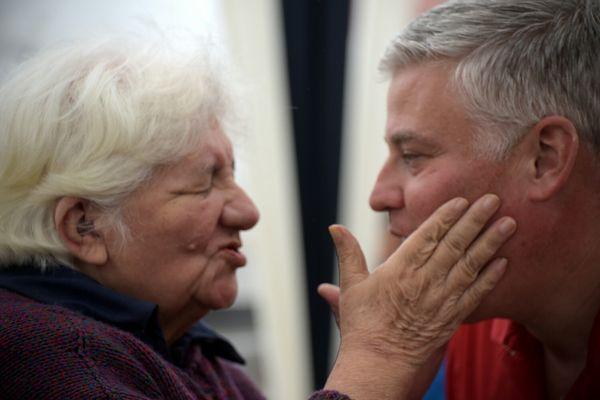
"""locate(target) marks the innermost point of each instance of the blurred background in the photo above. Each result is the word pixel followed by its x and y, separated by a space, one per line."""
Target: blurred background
pixel 315 112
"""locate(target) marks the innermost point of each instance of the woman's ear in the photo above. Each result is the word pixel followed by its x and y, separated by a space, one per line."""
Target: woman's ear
pixel 75 223
pixel 553 156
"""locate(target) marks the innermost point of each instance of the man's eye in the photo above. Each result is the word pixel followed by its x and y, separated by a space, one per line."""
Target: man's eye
pixel 409 158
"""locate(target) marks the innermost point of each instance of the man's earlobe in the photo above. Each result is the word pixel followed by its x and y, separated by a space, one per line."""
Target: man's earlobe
pixel 557 145
pixel 74 223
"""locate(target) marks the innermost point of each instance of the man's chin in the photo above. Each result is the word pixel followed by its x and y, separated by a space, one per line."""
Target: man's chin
pixel 473 319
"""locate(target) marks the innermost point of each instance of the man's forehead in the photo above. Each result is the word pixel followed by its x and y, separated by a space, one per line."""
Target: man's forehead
pixel 424 107
pixel 412 80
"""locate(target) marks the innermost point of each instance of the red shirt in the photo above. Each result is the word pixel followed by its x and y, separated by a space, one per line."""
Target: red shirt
pixel 499 359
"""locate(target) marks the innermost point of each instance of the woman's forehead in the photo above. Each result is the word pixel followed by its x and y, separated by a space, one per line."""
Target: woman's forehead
pixel 214 148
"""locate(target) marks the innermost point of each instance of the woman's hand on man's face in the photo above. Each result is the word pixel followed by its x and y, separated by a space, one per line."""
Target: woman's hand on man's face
pixel 410 306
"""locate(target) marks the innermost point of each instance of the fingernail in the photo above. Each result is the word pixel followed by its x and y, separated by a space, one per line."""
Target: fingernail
pixel 491 202
pixel 499 264
pixel 460 204
pixel 507 226
pixel 334 232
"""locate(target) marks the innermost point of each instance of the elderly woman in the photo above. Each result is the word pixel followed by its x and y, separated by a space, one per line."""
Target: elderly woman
pixel 120 225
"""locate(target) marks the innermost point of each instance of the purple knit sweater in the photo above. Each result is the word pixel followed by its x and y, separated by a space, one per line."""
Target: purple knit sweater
pixel 51 352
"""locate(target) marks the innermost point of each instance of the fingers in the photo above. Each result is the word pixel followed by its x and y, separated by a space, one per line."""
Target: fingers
pixel 484 284
pixel 331 294
pixel 416 250
pixel 480 253
pixel 351 260
pixel 459 237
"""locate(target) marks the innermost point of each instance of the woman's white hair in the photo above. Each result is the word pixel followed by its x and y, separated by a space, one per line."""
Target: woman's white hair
pixel 94 120
pixel 516 61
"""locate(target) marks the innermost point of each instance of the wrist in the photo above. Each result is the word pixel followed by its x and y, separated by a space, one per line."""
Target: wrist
pixel 366 374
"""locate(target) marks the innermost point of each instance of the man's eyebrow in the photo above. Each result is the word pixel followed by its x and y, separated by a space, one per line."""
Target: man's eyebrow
pixel 399 138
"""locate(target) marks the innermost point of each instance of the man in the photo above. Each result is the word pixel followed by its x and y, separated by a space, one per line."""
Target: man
pixel 504 97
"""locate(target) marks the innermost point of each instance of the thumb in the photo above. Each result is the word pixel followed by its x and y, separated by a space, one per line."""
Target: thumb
pixel 351 260
pixel 331 294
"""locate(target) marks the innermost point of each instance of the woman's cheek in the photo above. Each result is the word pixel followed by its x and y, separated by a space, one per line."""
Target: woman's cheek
pixel 195 237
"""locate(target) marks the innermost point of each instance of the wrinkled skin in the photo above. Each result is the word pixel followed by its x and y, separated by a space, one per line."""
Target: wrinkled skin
pixel 396 318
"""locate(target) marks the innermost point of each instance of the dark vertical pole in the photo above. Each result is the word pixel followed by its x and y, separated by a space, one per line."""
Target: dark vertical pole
pixel 315 33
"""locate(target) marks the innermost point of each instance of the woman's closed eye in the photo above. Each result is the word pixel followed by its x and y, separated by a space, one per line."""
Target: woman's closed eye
pixel 203 190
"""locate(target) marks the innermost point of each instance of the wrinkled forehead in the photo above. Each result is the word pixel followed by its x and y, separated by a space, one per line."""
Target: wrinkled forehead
pixel 210 133
pixel 212 147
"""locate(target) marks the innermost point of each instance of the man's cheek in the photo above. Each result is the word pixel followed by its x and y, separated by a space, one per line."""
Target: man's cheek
pixel 431 197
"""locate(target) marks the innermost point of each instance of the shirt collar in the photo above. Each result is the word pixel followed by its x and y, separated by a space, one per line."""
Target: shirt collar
pixel 71 289
pixel 516 339
pixel 502 330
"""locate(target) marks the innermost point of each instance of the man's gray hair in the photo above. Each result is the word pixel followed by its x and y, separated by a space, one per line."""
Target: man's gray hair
pixel 517 61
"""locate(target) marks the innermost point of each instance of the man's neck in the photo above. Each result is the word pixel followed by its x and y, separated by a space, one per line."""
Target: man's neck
pixel 561 373
pixel 564 331
pixel 568 261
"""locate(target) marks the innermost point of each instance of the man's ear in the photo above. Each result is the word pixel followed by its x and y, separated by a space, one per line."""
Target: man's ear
pixel 555 148
pixel 74 222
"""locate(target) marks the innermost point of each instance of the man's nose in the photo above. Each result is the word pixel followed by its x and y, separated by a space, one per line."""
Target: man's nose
pixel 240 212
pixel 387 193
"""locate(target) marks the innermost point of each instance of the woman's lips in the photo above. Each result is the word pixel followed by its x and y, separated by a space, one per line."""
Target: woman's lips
pixel 234 256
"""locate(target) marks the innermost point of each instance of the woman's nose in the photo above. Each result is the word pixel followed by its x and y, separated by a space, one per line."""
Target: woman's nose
pixel 240 212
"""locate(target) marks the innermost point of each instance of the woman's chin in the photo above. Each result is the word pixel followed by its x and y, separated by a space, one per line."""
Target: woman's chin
pixel 224 295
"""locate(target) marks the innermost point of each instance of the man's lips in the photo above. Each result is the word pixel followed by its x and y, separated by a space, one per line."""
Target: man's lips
pixel 399 233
